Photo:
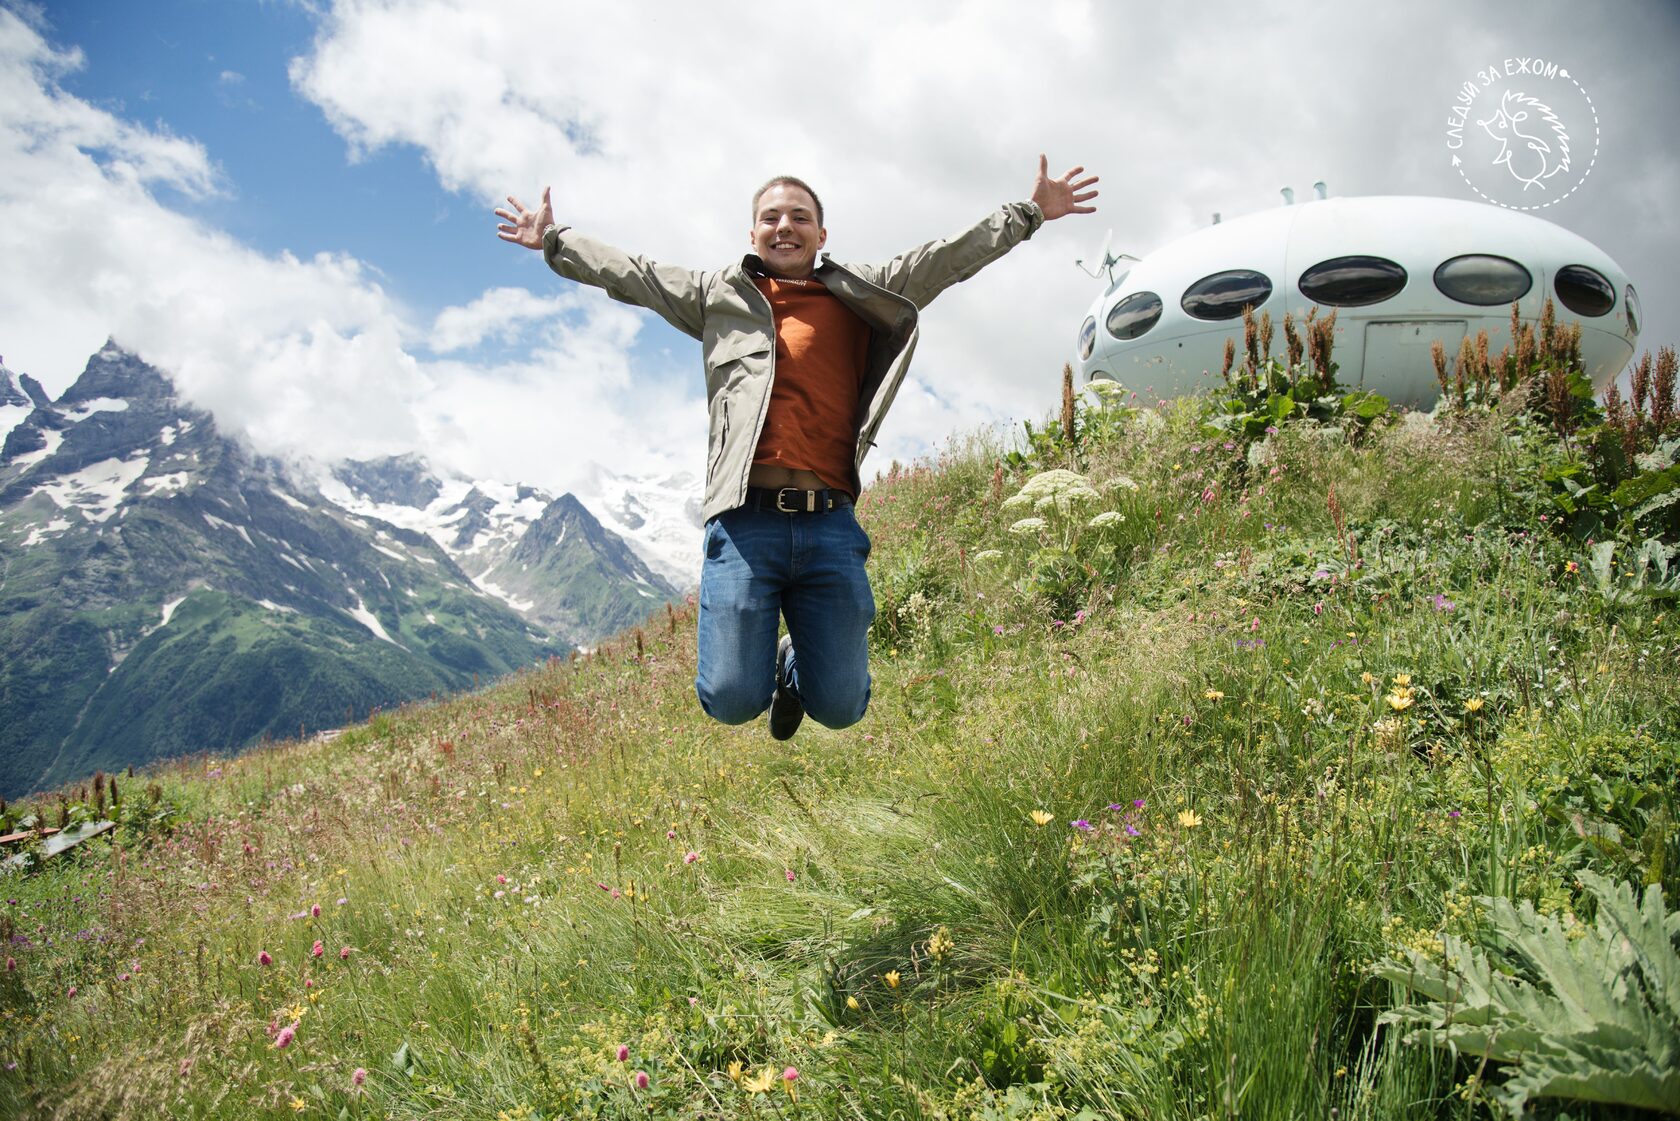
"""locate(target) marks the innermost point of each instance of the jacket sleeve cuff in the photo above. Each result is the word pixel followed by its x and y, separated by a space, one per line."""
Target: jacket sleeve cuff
pixel 551 240
pixel 1029 213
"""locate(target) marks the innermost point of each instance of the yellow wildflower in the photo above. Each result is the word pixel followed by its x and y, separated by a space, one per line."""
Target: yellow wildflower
pixel 891 978
pixel 299 1105
pixel 760 1083
pixel 1399 700
pixel 1402 679
pixel 1040 817
pixel 734 1071
pixel 1213 695
pixel 1474 704
pixel 1368 677
pixel 940 944
pixel 851 1003
pixel 1189 819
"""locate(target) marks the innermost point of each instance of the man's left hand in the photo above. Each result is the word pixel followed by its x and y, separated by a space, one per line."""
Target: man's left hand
pixel 1056 197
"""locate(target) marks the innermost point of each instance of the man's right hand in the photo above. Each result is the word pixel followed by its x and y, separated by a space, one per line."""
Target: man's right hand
pixel 525 227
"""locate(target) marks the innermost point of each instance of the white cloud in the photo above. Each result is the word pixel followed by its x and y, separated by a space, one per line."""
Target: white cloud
pixel 653 124
pixel 504 314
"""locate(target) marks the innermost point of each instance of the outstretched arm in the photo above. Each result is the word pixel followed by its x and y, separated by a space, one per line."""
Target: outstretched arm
pixel 924 272
pixel 675 294
pixel 525 227
pixel 1058 197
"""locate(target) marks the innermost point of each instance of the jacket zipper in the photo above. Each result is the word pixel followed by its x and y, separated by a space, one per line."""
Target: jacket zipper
pixel 769 386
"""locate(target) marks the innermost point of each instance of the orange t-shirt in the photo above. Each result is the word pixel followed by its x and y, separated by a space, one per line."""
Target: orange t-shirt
pixel 821 349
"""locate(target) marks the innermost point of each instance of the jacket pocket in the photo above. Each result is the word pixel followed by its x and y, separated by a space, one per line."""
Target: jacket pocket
pixel 735 346
pixel 719 440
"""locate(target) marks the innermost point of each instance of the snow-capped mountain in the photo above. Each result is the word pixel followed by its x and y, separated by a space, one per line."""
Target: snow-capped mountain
pixel 164 591
pixel 550 559
pixel 659 515
pixel 478 521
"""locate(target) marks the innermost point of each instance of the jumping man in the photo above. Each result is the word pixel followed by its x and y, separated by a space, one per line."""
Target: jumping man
pixel 803 358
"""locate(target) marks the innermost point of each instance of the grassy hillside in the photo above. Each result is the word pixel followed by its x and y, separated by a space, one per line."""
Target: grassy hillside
pixel 1200 737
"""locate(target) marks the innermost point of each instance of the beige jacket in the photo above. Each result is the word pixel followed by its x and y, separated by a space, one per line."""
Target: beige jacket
pixel 732 319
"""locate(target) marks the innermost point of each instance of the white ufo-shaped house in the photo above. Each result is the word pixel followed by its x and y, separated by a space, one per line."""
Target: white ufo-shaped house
pixel 1400 272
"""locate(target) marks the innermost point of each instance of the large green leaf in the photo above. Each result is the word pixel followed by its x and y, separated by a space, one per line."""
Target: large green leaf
pixel 1582 1013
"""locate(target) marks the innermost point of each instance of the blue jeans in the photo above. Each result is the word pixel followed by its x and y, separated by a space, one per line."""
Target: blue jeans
pixel 807 567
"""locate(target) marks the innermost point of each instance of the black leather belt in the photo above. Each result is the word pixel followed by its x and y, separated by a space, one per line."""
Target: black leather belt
pixel 792 500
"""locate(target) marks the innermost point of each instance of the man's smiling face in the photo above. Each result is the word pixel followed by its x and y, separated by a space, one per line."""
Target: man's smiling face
pixel 785 232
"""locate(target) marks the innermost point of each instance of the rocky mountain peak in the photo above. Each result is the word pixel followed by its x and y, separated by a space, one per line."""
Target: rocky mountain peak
pixel 403 480
pixel 35 391
pixel 10 394
pixel 114 372
pixel 564 517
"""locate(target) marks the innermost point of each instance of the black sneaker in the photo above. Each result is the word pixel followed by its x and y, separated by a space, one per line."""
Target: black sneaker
pixel 785 710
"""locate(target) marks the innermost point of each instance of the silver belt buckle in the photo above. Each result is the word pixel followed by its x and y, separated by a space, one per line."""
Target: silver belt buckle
pixel 810 501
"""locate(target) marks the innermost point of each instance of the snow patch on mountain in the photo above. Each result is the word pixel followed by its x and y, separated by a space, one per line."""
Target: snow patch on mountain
pixel 218 523
pixel 169 609
pixel 159 486
pixel 513 601
pixel 367 619
pixel 97 489
pixel 46 532
pixel 289 500
pixel 97 405
pixel 53 438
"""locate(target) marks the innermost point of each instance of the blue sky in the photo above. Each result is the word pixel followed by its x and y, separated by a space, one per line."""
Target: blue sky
pixel 216 71
pixel 286 204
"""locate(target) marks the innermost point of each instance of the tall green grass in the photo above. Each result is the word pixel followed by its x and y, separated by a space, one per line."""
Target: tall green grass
pixel 1137 810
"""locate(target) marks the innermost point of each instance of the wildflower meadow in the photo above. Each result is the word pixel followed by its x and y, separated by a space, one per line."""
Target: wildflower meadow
pixel 1271 753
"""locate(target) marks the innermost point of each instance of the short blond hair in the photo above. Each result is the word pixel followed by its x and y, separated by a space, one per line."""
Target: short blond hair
pixel 788 181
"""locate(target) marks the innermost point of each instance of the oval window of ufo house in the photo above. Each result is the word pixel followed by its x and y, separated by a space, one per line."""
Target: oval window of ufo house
pixel 1584 291
pixel 1352 281
pixel 1224 294
pixel 1134 315
pixel 1630 300
pixel 1483 279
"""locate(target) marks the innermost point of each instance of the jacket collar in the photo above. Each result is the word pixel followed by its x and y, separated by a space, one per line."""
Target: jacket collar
pixel 753 265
